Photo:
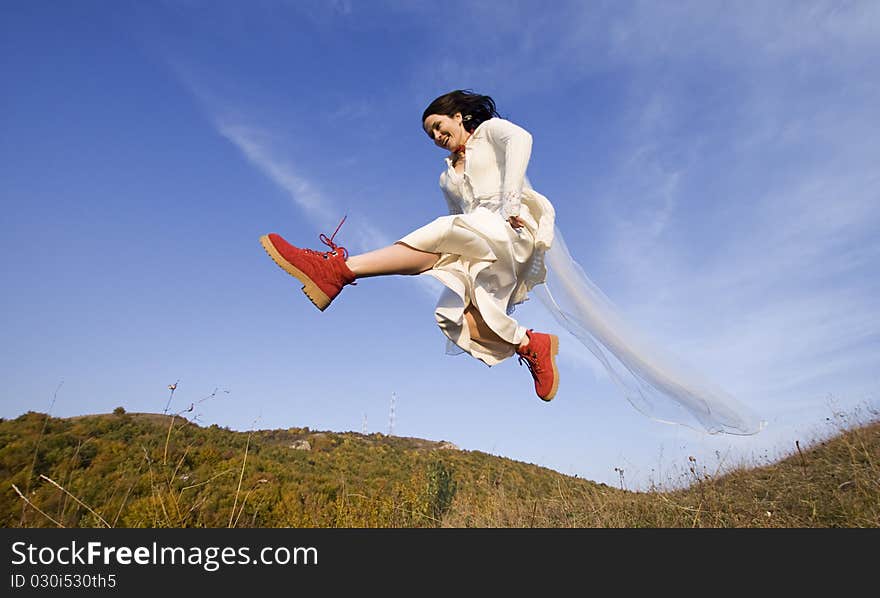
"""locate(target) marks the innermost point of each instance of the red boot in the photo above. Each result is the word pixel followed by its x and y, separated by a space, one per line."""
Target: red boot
pixel 323 274
pixel 540 357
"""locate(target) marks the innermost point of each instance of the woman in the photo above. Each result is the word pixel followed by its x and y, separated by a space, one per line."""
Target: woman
pixel 498 242
pixel 488 252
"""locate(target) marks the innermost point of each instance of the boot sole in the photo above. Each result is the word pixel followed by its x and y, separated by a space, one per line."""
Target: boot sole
pixel 554 350
pixel 312 291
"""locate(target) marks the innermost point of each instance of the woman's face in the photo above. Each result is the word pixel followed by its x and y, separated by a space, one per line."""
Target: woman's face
pixel 446 131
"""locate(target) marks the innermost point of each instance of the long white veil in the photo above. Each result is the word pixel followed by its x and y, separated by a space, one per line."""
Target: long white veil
pixel 653 381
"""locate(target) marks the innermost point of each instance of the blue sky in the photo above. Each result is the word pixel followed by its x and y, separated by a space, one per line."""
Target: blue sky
pixel 713 167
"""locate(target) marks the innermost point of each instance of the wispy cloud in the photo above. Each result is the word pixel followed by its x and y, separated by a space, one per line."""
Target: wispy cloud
pixel 744 222
pixel 267 153
pixel 253 143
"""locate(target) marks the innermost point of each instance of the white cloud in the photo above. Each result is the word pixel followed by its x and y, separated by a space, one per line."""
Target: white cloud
pixel 750 246
pixel 254 144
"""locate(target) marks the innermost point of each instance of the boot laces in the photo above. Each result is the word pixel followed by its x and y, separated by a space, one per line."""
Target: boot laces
pixel 530 358
pixel 328 241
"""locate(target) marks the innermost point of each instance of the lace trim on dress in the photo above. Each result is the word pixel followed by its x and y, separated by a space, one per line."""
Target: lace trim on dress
pixel 510 203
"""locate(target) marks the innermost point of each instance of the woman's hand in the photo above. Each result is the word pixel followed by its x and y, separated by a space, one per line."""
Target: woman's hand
pixel 516 222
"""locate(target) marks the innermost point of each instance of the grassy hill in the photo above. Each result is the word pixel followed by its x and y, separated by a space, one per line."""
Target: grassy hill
pixel 151 470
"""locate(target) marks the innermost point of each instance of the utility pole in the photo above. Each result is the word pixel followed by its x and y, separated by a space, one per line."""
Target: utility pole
pixel 391 415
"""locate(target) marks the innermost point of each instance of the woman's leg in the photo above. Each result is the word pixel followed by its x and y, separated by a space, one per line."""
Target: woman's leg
pixel 403 259
pixel 480 331
pixel 394 259
pixel 540 357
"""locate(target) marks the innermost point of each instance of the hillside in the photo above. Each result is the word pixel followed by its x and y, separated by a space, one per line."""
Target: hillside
pixel 153 470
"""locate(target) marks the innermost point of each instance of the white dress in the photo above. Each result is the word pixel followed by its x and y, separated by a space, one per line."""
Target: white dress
pixel 484 260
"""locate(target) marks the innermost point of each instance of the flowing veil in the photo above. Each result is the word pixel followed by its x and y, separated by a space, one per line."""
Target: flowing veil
pixel 654 382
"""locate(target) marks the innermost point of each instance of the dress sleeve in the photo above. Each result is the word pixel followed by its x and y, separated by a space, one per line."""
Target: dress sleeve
pixel 516 145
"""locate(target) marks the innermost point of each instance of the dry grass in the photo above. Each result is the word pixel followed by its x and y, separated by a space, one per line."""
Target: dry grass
pixel 835 482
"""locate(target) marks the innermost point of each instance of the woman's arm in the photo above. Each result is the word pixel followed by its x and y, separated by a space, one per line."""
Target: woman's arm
pixel 516 145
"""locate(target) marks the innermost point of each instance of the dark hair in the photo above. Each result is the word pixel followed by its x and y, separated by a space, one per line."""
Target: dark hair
pixel 474 108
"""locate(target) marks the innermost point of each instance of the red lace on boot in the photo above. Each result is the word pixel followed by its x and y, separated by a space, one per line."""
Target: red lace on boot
pixel 323 273
pixel 540 357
